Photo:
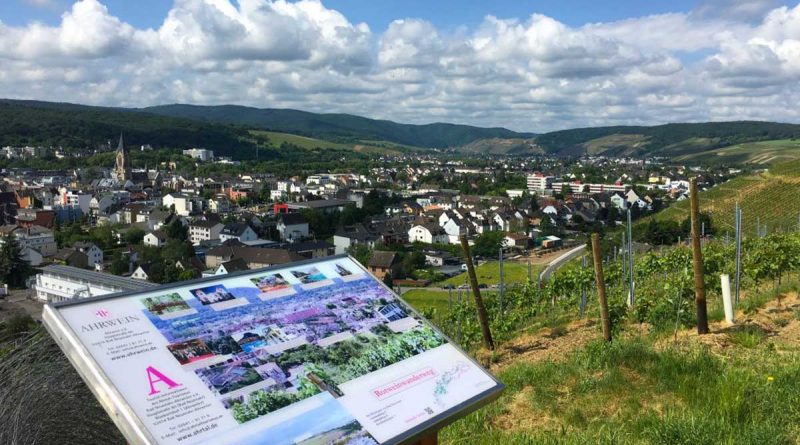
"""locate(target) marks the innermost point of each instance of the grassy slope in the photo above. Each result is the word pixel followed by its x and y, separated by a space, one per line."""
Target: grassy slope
pixel 636 392
pixel 276 139
pixel 765 152
pixel 489 274
pixel 735 385
pixel 772 197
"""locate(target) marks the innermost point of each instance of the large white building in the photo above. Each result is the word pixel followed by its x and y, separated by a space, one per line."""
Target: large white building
pixel 183 204
pixel 580 187
pixel 60 283
pixel 538 182
pixel 200 231
pixel 200 153
pixel 72 198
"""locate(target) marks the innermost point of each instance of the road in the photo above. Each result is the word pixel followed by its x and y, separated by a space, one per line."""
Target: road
pixel 560 261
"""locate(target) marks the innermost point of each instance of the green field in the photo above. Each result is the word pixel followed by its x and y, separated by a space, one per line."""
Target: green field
pixel 764 153
pixel 489 273
pixel 424 300
pixel 772 198
pixel 276 139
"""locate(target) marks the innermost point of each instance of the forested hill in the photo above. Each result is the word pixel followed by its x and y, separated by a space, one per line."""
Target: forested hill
pixel 663 140
pixel 80 126
pixel 342 127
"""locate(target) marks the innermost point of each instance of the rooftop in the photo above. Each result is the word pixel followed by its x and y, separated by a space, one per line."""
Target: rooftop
pixel 103 279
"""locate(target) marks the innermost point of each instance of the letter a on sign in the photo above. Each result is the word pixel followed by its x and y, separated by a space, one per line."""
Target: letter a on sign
pixel 154 376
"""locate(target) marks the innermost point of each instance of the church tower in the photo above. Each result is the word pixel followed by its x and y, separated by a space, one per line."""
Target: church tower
pixel 122 170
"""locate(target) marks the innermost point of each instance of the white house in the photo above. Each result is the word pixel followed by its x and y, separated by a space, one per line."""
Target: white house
pixel 142 273
pixel 428 234
pixel 200 231
pixel 156 238
pixel 183 204
pixel 94 254
pixel 73 198
pixel 35 237
pixel 292 227
pixel 238 231
pixel 618 201
pixel 454 228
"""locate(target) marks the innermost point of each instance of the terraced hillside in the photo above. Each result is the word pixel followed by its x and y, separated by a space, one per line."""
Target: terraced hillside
pixel 771 198
pixel 764 153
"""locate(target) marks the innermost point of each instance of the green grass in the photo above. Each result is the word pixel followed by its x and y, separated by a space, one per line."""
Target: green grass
pixel 631 392
pixel 763 153
pixel 425 300
pixel 489 273
pixel 747 336
pixel 436 303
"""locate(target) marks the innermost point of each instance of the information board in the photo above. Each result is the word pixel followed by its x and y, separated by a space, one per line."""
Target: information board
pixel 314 353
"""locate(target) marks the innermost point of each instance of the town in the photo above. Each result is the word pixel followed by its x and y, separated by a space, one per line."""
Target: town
pixel 91 231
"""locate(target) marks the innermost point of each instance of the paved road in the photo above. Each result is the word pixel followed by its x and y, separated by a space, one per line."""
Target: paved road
pixel 560 261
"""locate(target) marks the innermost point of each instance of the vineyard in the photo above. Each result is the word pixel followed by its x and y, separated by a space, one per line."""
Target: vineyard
pixel 565 386
pixel 771 199
pixel 762 152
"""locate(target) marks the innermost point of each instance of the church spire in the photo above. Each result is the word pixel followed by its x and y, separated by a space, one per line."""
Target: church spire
pixel 122 169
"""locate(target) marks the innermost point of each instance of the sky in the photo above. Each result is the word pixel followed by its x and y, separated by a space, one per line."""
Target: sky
pixel 522 64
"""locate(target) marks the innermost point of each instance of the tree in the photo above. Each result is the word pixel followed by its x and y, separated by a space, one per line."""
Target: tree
pixel 14 270
pixel 119 265
pixel 176 230
pixel 134 236
pixel 547 227
pixel 361 252
pixel 488 244
pixel 705 221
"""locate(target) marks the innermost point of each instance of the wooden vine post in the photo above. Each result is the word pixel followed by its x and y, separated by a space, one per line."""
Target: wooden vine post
pixel 605 319
pixel 697 255
pixel 483 319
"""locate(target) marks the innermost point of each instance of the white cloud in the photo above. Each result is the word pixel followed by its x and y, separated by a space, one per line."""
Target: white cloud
pixel 530 73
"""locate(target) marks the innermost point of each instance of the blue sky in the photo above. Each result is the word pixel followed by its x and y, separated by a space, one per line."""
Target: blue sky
pixel 521 64
pixel 447 14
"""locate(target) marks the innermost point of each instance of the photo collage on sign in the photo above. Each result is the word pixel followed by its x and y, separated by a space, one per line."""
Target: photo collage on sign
pixel 294 334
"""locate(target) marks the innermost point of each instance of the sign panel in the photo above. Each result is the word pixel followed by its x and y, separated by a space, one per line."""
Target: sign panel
pixel 316 352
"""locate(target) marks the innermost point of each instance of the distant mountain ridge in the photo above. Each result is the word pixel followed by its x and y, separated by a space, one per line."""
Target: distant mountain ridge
pixel 668 140
pixel 336 126
pixel 227 130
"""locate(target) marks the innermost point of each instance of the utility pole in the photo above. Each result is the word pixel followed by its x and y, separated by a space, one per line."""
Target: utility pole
pixel 483 319
pixel 601 287
pixel 697 254
pixel 502 282
pixel 530 276
pixel 631 284
pixel 582 306
pixel 739 231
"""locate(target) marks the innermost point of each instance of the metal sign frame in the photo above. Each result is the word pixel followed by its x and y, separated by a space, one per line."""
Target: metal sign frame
pixel 136 431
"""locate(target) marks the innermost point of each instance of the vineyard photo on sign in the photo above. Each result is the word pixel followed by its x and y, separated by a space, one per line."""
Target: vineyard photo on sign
pixel 317 352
